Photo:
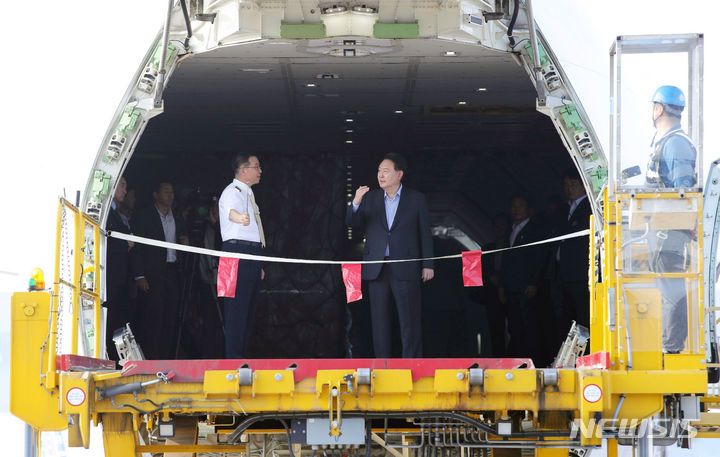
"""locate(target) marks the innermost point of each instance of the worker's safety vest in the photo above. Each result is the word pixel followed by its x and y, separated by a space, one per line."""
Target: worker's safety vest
pixel 652 175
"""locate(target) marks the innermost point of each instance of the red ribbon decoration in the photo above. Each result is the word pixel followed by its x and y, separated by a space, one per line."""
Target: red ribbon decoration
pixel 227 277
pixel 472 268
pixel 352 277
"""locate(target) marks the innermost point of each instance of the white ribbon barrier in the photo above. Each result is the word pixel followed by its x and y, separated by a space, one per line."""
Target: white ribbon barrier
pixel 238 255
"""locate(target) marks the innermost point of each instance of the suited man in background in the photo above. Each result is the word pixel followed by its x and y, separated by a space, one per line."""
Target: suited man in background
pixel 520 274
pixel 397 226
pixel 118 304
pixel 488 295
pixel 157 274
pixel 572 256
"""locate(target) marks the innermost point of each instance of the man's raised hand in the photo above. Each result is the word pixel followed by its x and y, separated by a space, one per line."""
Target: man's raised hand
pixel 359 194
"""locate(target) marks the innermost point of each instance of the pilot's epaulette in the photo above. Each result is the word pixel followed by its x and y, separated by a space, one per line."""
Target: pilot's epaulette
pixel 239 189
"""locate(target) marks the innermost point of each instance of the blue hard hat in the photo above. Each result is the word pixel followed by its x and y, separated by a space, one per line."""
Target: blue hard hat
pixel 669 95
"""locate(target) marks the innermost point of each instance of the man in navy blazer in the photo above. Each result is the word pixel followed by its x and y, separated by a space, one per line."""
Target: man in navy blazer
pixel 157 274
pixel 397 226
pixel 572 256
pixel 120 309
pixel 520 275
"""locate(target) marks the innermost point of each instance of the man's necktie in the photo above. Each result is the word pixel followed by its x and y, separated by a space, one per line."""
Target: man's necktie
pixel 257 218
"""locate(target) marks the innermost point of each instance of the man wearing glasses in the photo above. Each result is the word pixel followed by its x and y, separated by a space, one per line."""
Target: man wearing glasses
pixel 242 231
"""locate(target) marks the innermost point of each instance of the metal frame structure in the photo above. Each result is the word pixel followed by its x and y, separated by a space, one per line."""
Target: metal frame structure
pixel 410 405
pixel 689 44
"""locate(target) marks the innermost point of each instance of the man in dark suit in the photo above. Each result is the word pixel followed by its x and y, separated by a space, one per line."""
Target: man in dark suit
pixel 397 226
pixel 118 304
pixel 157 275
pixel 572 255
pixel 520 274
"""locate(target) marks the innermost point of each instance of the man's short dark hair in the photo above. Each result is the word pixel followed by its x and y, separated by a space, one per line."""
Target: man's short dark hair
pixel 159 183
pixel 522 197
pixel 398 161
pixel 571 174
pixel 239 161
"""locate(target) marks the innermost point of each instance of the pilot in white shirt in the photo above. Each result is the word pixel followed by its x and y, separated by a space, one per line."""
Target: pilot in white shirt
pixel 241 230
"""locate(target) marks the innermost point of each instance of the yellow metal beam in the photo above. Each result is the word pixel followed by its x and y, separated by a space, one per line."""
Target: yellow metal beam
pixel 52 331
pixel 75 389
pixel 612 448
pixel 77 284
pixel 551 452
pixel 504 390
pixel 511 390
pixel 658 382
pixel 119 437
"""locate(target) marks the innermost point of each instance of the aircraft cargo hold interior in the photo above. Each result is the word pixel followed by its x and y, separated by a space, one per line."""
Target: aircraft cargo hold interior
pixel 463 115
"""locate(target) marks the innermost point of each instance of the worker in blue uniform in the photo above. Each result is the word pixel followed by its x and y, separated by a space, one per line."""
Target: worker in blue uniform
pixel 672 165
pixel 672 162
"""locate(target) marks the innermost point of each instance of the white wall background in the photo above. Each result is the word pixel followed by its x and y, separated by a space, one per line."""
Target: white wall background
pixel 65 67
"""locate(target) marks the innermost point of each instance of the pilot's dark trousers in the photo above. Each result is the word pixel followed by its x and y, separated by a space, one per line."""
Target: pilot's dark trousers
pixel 240 310
pixel 409 308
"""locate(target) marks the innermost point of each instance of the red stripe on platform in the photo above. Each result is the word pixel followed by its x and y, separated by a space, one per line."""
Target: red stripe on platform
pixel 194 370
pixel 594 361
pixel 69 362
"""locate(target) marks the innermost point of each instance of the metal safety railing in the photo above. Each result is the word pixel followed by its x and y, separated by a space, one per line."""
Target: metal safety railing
pixel 637 296
pixel 76 286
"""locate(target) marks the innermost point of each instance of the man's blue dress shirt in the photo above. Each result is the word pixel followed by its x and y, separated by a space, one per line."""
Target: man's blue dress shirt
pixel 391 206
